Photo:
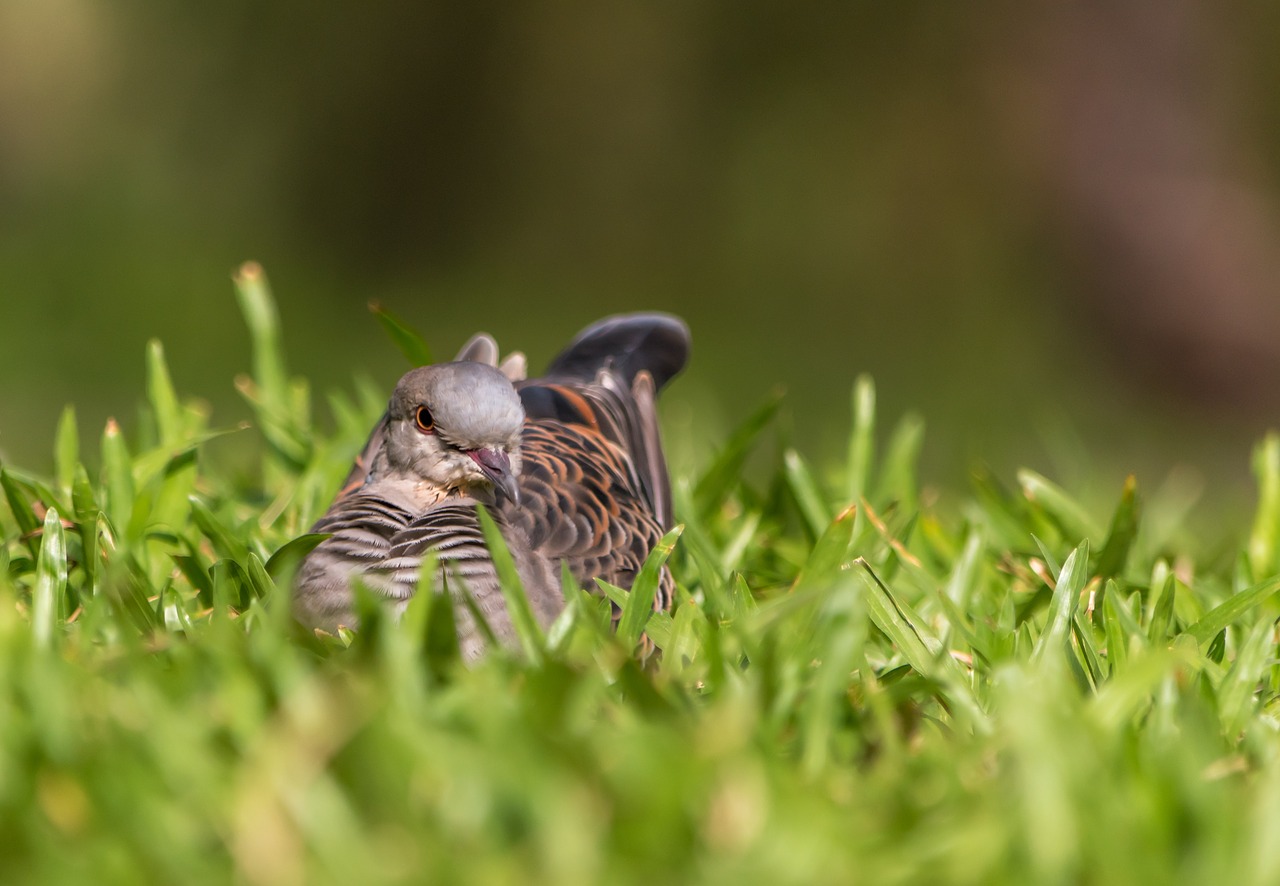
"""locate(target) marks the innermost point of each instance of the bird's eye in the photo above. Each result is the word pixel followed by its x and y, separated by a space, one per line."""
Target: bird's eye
pixel 426 423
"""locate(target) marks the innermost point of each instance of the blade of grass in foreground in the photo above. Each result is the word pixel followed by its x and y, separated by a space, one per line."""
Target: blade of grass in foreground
pixel 20 507
pixel 806 493
pixel 726 469
pixel 526 626
pixel 899 464
pixel 67 449
pixel 289 556
pixel 162 397
pixel 412 345
pixel 1062 608
pixel 861 438
pixel 1266 522
pixel 87 515
pixel 1123 532
pixel 841 645
pixel 1069 516
pixel 1162 616
pixel 260 316
pixel 1124 695
pixel 830 551
pixel 117 478
pixel 1236 695
pixel 964 575
pixel 908 637
pixel 1232 609
pixel 51 581
pixel 1118 629
pixel 644 589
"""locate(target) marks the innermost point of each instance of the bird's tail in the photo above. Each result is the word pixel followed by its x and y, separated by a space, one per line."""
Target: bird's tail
pixel 626 345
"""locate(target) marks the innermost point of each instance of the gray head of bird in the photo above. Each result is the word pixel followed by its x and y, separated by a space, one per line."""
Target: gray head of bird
pixel 456 426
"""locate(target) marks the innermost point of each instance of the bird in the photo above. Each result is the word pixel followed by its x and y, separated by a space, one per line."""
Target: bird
pixel 570 466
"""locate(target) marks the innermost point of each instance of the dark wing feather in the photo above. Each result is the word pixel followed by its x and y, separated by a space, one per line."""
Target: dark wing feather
pixel 582 499
pixel 626 418
pixel 619 364
pixel 627 345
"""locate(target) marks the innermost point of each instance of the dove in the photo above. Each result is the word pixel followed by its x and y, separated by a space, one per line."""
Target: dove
pixel 569 465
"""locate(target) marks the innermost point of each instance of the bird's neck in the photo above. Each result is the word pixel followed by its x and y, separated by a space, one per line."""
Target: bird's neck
pixel 417 494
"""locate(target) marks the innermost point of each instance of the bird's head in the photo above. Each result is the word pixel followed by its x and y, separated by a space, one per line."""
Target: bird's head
pixel 457 426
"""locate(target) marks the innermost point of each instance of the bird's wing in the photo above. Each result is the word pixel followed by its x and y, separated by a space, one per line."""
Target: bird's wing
pixel 618 365
pixel 583 499
pixel 608 378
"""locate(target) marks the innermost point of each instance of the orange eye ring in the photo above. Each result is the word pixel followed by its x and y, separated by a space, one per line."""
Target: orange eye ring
pixel 426 423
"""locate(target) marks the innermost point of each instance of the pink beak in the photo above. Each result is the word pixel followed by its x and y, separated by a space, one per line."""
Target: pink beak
pixel 496 465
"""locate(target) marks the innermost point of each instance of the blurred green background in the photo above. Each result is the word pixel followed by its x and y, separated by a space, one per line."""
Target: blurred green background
pixel 1049 231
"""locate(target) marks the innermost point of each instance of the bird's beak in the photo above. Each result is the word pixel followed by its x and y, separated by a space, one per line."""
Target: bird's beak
pixel 496 465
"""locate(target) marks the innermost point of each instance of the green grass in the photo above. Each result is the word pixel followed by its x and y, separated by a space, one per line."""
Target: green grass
pixel 1026 691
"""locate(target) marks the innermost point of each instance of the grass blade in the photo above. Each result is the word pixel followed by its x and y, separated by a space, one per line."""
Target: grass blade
pixel 87 514
pixel 644 590
pixel 222 539
pixel 908 637
pixel 806 493
pixel 20 506
pixel 831 550
pixel 1124 529
pixel 1237 693
pixel 49 594
pixel 1117 631
pixel 1066 513
pixel 285 561
pixel 412 345
pixel 1062 607
pixel 839 649
pixel 899 467
pixel 162 397
pixel 526 626
pixel 1232 609
pixel 197 575
pixel 861 438
pixel 964 575
pixel 441 648
pixel 67 449
pixel 1158 631
pixel 259 309
pixel 726 469
pixel 1266 521
pixel 117 478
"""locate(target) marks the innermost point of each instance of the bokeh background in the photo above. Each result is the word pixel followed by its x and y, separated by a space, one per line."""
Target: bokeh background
pixel 1051 229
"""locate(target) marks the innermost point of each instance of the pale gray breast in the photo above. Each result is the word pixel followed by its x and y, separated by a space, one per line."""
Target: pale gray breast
pixel 452 531
pixel 362 526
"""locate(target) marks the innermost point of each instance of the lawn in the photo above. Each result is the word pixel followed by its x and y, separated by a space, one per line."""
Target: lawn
pixel 858 684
